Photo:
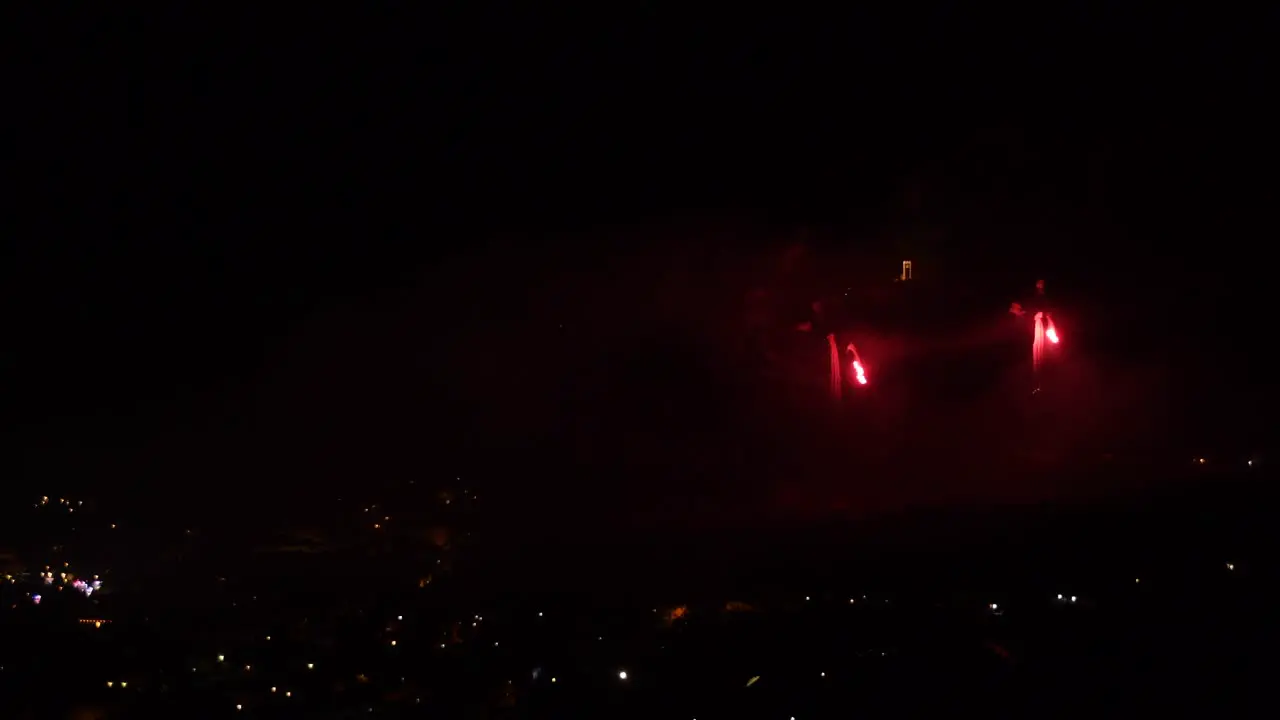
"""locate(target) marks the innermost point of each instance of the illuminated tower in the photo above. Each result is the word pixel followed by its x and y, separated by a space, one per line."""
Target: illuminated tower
pixel 906 270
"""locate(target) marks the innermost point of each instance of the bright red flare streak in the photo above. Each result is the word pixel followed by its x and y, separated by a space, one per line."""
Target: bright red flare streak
pixel 836 384
pixel 1052 335
pixel 1037 345
pixel 859 373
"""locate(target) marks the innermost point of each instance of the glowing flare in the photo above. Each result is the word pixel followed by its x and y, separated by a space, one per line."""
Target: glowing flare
pixel 859 373
pixel 1052 335
pixel 836 383
pixel 1037 345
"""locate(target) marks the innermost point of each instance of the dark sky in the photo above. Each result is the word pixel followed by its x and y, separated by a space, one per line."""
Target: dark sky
pixel 288 246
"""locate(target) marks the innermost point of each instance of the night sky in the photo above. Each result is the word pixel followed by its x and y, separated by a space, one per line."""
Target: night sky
pixel 290 252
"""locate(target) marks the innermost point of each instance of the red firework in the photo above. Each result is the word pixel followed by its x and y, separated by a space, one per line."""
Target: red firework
pixel 1045 330
pixel 836 383
pixel 859 372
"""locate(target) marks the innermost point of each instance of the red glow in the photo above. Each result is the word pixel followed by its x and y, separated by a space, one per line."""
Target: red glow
pixel 1052 335
pixel 836 383
pixel 1037 345
pixel 859 373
